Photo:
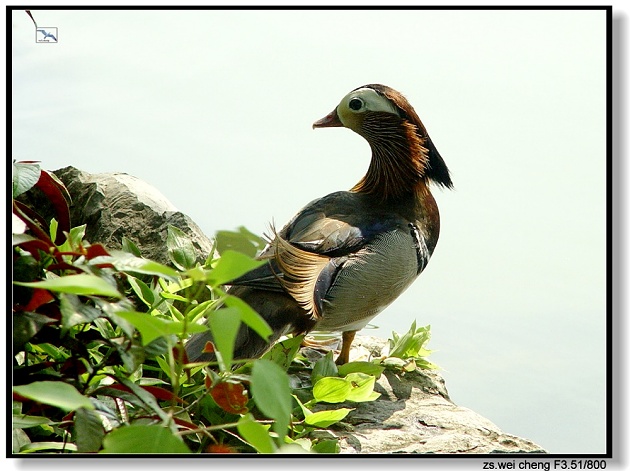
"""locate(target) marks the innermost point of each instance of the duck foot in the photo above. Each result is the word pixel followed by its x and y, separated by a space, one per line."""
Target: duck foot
pixel 321 344
pixel 328 344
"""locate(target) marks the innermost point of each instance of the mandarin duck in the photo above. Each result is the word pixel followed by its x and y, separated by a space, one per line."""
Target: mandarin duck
pixel 345 257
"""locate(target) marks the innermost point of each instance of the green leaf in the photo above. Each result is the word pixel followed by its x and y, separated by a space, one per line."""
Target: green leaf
pixel 305 410
pixel 324 367
pixel 326 446
pixel 200 310
pixel 25 176
pixel 224 324
pixel 362 387
pixel 326 418
pixel 74 240
pixel 303 443
pixel 425 364
pixel 399 363
pixel 197 274
pixel 126 262
pixel 177 286
pixel 88 431
pixel 180 248
pixel 176 297
pixel 43 446
pixel 54 225
pixel 272 394
pixel 81 284
pixel 54 393
pixel 147 398
pixel 231 265
pixel 255 434
pixel 143 439
pixel 176 314
pixel 151 327
pixel 56 353
pixel 411 344
pixel 333 390
pixel 130 247
pixel 19 440
pixel 74 312
pixel 242 241
pixel 283 353
pixel 26 325
pixel 133 356
pixel 166 368
pixel 366 367
pixel 249 316
pixel 142 290
pixel 120 394
pixel 28 421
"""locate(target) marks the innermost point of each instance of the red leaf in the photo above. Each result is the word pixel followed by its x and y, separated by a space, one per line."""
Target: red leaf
pixel 180 355
pixel 231 397
pixel 162 394
pixel 29 215
pixel 64 266
pixel 96 250
pixel 220 448
pixel 34 246
pixel 19 398
pixel 39 297
pixel 73 366
pixel 67 419
pixel 185 424
pixel 59 255
pixel 58 197
pixel 32 220
pixel 104 265
pixel 159 393
pixel 50 310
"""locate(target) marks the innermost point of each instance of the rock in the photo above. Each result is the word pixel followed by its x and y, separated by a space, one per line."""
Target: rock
pixel 113 205
pixel 415 414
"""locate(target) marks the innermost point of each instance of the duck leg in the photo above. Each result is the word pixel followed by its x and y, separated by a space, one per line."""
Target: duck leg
pixel 346 340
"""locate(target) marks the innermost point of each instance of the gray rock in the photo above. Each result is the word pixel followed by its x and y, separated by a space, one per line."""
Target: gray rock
pixel 114 205
pixel 414 414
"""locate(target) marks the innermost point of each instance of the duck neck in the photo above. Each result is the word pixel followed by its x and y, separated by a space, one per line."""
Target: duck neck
pixel 399 159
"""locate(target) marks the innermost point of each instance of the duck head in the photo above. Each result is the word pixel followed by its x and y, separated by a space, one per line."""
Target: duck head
pixel 403 155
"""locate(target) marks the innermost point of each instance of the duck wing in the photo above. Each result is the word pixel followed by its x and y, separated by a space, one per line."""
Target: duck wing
pixel 306 256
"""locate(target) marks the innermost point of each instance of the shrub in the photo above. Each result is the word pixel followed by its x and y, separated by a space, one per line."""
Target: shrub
pixel 99 361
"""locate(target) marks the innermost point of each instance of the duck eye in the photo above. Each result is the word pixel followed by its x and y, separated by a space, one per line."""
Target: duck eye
pixel 355 104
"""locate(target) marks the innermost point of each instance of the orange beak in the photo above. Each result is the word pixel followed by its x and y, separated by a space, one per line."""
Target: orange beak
pixel 331 120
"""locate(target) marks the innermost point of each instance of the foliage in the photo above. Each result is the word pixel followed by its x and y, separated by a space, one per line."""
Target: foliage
pixel 408 352
pixel 99 358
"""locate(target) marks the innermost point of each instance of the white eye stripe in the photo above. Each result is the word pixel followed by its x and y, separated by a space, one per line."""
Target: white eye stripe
pixel 368 99
pixel 372 101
